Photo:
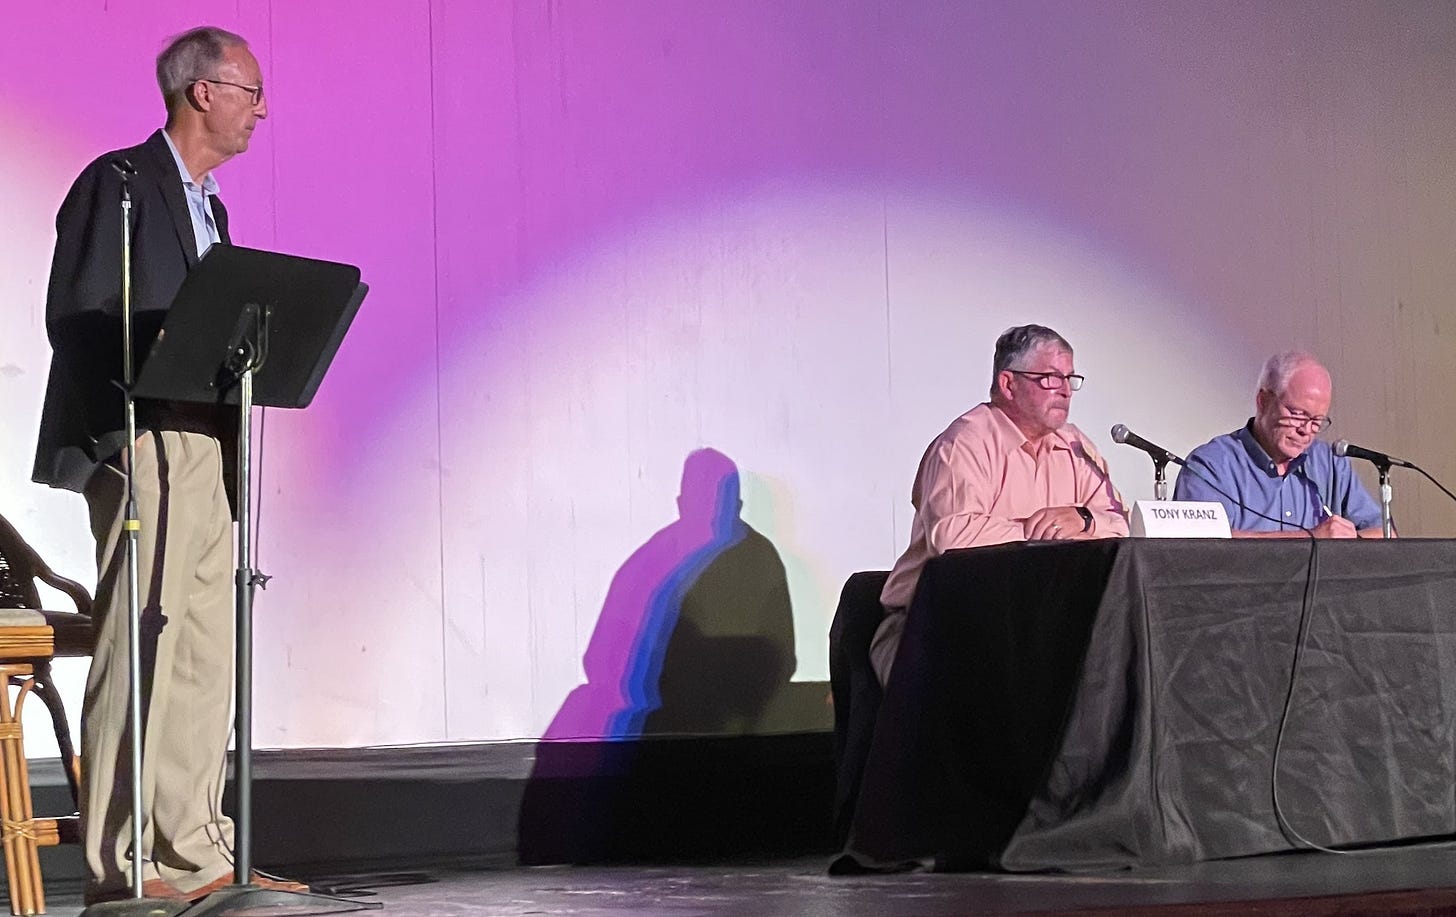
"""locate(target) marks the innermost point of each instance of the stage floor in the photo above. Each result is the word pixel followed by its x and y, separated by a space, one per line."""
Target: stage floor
pixel 1411 882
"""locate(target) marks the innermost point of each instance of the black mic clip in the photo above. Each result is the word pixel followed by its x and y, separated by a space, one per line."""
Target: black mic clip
pixel 126 170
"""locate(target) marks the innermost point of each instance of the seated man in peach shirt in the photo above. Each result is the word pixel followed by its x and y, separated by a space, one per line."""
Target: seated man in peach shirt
pixel 1011 469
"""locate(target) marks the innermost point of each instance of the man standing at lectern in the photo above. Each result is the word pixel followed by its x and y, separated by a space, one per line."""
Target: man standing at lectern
pixel 213 90
pixel 1273 477
pixel 1011 469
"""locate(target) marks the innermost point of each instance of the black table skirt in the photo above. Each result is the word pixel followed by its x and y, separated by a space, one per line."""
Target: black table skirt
pixel 1116 703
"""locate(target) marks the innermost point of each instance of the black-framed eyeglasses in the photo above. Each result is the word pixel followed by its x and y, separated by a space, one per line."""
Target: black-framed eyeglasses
pixel 1300 420
pixel 1053 381
pixel 257 91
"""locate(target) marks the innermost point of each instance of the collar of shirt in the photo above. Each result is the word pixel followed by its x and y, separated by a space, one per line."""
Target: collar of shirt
pixel 1012 438
pixel 209 184
pixel 1260 458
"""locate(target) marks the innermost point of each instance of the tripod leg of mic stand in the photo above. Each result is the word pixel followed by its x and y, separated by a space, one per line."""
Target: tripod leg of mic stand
pixel 253 899
pixel 233 899
pixel 137 907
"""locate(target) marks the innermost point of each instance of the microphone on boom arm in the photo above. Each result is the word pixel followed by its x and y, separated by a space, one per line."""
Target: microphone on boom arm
pixel 1346 448
pixel 1121 434
pixel 1161 457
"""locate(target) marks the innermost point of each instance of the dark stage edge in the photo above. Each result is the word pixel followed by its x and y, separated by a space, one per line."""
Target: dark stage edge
pixel 1413 882
pixel 750 814
pixel 488 805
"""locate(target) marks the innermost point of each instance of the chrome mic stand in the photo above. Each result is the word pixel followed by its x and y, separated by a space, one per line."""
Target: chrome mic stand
pixel 132 526
pixel 247 358
pixel 136 905
pixel 1160 479
pixel 249 352
pixel 1386 526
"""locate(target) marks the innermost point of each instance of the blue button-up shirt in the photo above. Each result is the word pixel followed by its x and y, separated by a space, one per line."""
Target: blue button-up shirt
pixel 1234 470
pixel 199 202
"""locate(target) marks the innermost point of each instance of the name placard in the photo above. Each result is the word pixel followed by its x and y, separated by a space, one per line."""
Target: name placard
pixel 1178 519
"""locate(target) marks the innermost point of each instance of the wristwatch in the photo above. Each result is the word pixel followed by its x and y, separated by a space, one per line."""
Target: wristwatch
pixel 1086 515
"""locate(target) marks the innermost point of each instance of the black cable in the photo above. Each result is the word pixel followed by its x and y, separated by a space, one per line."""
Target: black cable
pixel 1306 608
pixel 367 885
pixel 258 494
pixel 1433 480
pixel 1240 503
pixel 1311 582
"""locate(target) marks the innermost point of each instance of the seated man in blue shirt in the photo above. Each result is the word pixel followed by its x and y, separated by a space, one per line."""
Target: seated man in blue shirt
pixel 1272 476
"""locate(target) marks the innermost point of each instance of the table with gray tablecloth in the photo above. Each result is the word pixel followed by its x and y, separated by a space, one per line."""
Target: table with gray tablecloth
pixel 1116 703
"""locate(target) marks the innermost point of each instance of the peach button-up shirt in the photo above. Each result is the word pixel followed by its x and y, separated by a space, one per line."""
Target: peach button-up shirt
pixel 980 479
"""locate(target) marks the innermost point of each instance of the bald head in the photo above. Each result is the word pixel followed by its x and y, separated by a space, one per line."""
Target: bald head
pixel 1292 404
pixel 1280 368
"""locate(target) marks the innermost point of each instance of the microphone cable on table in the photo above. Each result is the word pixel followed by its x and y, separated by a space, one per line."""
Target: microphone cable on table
pixel 1306 608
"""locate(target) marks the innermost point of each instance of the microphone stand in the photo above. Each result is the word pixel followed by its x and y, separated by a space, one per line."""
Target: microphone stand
pixel 1385 523
pixel 248 358
pixel 1160 456
pixel 136 905
pixel 132 526
pixel 249 353
pixel 1383 464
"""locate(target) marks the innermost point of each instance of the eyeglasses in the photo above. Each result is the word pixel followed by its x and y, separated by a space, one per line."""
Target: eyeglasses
pixel 257 91
pixel 1300 420
pixel 1053 381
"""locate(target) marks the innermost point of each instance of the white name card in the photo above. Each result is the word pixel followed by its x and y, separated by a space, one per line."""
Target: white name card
pixel 1178 519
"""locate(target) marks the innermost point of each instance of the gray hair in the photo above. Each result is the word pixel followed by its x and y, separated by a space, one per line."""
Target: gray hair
pixel 189 57
pixel 1017 342
pixel 1278 369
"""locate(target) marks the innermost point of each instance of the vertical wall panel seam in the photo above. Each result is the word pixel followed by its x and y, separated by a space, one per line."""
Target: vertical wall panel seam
pixel 884 117
pixel 439 382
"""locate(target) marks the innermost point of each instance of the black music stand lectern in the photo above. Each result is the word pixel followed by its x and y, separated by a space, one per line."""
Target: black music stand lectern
pixel 252 327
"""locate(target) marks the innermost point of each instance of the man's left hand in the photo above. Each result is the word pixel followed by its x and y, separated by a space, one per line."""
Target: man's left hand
pixel 1054 523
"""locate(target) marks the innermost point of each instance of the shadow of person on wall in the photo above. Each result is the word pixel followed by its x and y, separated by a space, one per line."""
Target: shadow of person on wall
pixel 697 631
pixel 695 638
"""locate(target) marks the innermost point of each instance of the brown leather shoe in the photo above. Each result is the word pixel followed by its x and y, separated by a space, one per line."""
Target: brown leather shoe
pixel 259 879
pixel 161 888
pixel 277 883
pixel 221 881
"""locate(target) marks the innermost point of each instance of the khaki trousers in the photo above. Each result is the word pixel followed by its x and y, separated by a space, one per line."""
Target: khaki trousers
pixel 185 591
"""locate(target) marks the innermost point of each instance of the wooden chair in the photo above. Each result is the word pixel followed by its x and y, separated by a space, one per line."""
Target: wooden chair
pixel 29 638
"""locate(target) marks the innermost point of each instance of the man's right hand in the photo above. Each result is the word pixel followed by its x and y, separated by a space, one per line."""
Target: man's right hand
pixel 1334 527
pixel 1053 523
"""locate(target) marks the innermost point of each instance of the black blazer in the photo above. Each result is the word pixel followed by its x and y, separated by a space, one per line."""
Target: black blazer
pixel 83 421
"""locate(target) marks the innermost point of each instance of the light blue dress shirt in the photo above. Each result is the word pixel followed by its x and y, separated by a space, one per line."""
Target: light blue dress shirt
pixel 1234 470
pixel 199 201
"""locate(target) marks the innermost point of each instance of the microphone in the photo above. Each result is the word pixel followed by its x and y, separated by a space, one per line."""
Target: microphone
pixel 123 166
pixel 1121 434
pixel 1346 448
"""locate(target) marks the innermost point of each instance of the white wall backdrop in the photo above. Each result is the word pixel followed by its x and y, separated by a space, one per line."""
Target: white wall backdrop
pixel 601 236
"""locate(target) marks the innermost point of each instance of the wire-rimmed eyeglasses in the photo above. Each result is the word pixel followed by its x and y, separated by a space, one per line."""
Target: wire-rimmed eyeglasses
pixel 257 91
pixel 1299 420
